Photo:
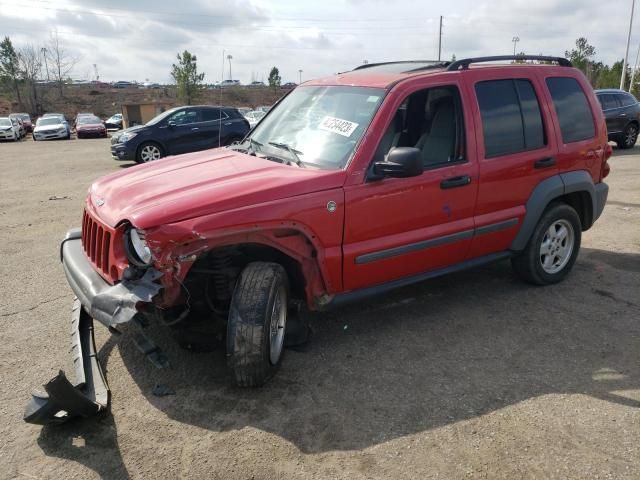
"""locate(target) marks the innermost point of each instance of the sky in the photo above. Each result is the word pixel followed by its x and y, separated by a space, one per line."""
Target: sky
pixel 137 40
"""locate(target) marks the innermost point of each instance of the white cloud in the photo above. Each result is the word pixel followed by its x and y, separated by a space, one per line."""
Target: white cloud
pixel 139 40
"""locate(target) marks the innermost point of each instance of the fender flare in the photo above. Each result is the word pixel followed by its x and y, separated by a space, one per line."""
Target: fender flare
pixel 550 189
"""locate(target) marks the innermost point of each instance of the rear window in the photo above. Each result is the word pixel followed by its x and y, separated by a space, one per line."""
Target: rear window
pixel 608 101
pixel 572 109
pixel 511 118
pixel 626 99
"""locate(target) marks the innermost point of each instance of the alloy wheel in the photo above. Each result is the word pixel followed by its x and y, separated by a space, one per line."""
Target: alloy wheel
pixel 150 152
pixel 557 246
pixel 277 325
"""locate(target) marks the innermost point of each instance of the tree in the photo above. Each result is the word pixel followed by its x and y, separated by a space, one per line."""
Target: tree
pixel 186 76
pixel 274 78
pixel 30 70
pixel 62 62
pixel 581 55
pixel 9 66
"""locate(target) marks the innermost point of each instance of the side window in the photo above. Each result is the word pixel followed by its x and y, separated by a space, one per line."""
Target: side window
pixel 608 102
pixel 184 117
pixel 625 99
pixel 572 109
pixel 430 120
pixel 511 118
pixel 211 114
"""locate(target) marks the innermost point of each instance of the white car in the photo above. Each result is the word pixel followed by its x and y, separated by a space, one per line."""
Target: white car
pixel 254 117
pixel 49 128
pixel 9 129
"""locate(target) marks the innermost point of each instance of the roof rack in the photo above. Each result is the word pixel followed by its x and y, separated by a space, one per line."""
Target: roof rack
pixel 464 63
pixel 369 65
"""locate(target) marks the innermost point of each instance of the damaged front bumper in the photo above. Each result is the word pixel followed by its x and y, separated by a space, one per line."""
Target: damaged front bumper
pixel 96 299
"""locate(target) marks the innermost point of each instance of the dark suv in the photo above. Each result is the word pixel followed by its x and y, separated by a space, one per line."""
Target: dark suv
pixel 180 130
pixel 622 113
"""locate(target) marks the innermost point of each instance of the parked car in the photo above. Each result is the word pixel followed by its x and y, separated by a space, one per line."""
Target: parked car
pixel 26 120
pixel 90 126
pixel 62 118
pixel 254 117
pixel 289 85
pixel 22 132
pixel 256 84
pixel 123 84
pixel 622 113
pixel 9 129
pixel 114 122
pixel 352 186
pixel 229 83
pixel 179 130
pixel 81 114
pixel 50 128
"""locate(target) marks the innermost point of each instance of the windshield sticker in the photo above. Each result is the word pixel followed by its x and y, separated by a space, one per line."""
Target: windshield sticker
pixel 337 125
pixel 373 98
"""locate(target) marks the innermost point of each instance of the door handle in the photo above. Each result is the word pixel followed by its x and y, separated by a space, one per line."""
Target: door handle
pixel 545 162
pixel 228 123
pixel 454 182
pixel 195 128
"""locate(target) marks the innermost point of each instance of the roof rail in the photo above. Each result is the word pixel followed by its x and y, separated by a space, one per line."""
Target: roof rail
pixel 464 63
pixel 369 65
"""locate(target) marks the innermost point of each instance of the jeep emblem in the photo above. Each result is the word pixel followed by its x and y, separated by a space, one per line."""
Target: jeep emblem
pixel 331 206
pixel 99 202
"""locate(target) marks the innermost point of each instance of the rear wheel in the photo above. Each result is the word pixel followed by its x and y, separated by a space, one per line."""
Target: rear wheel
pixel 148 152
pixel 553 247
pixel 257 323
pixel 629 137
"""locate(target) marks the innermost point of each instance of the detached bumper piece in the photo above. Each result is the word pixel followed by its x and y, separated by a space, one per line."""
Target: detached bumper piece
pixel 62 401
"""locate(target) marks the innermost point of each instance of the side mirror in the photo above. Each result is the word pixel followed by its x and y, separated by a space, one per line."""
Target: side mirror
pixel 401 162
pixel 171 123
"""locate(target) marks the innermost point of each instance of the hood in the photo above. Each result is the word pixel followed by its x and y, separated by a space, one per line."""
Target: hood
pixel 187 186
pixel 89 125
pixel 56 126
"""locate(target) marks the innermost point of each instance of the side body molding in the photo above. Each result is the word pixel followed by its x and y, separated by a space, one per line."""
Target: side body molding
pixel 554 187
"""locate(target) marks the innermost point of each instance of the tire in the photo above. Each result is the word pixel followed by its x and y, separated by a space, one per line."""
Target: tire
pixel 629 137
pixel 535 264
pixel 257 323
pixel 149 151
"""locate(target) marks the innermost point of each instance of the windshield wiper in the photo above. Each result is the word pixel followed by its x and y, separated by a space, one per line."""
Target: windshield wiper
pixel 294 153
pixel 254 145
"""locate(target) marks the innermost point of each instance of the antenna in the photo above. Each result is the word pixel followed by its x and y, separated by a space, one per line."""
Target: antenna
pixel 220 100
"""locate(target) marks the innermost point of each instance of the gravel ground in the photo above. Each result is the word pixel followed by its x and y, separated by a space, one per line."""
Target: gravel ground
pixel 471 375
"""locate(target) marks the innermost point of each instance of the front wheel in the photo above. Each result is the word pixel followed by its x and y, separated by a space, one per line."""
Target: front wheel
pixel 148 152
pixel 629 137
pixel 553 247
pixel 257 323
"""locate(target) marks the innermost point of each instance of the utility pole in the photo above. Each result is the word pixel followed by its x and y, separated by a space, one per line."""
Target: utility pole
pixel 635 67
pixel 440 40
pixel 229 57
pixel 46 66
pixel 515 41
pixel 95 69
pixel 626 53
pixel 300 72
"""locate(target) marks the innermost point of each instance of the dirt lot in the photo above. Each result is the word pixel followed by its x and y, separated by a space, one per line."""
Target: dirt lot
pixel 472 375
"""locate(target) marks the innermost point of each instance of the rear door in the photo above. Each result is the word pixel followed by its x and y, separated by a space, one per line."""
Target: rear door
pixel 210 132
pixel 516 148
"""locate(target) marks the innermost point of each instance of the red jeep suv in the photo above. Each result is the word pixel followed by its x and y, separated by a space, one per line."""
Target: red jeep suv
pixel 351 185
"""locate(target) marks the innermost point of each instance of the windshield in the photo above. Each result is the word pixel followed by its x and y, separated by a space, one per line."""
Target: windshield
pixel 88 120
pixel 5 122
pixel 320 125
pixel 48 121
pixel 162 116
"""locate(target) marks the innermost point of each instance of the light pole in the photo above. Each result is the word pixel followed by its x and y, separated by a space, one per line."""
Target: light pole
pixel 44 54
pixel 300 73
pixel 229 57
pixel 626 53
pixel 515 41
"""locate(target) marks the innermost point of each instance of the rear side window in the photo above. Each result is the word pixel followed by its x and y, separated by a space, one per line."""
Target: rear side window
pixel 572 109
pixel 211 114
pixel 626 99
pixel 511 118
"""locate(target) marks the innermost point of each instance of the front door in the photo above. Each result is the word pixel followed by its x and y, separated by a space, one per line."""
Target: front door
pixel 181 131
pixel 398 227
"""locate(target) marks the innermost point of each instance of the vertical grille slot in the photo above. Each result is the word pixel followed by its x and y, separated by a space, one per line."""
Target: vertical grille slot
pixel 96 243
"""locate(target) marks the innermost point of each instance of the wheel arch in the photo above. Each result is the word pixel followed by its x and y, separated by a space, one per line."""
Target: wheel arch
pixel 573 188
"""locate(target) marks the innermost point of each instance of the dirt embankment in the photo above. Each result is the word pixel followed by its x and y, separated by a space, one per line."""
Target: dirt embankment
pixel 104 102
